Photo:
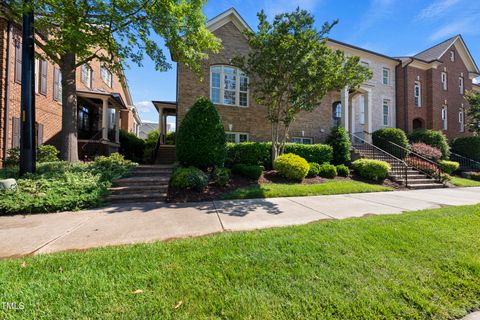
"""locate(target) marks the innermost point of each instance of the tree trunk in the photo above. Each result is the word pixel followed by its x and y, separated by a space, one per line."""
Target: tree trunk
pixel 275 150
pixel 69 108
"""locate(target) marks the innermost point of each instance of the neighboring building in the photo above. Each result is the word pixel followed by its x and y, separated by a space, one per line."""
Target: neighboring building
pixel 104 103
pixel 145 128
pixel 368 108
pixel 431 87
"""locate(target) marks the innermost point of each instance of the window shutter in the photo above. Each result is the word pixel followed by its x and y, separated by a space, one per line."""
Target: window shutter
pixel 16 133
pixel 18 62
pixel 39 134
pixel 92 76
pixel 43 76
pixel 56 84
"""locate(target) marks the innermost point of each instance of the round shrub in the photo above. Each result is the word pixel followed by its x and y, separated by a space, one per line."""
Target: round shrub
pixel 426 151
pixel 314 169
pixel 342 170
pixel 250 171
pixel 328 171
pixel 201 137
pixel 340 142
pixel 221 176
pixel 189 178
pixel 468 147
pixel 292 166
pixel 448 166
pixel 381 137
pixel 371 169
pixel 433 138
pixel 131 146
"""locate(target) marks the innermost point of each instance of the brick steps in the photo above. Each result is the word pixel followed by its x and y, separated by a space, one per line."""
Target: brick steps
pixel 166 155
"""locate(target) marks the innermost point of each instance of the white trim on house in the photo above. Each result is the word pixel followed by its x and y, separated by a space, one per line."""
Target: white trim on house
pixel 231 15
pixel 237 137
pixel 302 140
pixel 464 55
pixel 239 76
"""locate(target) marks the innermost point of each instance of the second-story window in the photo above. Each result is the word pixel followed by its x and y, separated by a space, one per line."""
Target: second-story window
pixel 86 75
pixel 57 84
pixel 228 86
pixel 417 93
pixel 461 120
pixel 444 118
pixel 41 69
pixel 461 87
pixel 386 76
pixel 444 79
pixel 106 76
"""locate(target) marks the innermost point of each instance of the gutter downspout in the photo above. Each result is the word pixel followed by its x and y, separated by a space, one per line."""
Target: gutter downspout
pixel 7 91
pixel 405 95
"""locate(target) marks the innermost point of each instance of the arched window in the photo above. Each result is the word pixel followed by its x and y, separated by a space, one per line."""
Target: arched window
pixel 228 86
pixel 337 113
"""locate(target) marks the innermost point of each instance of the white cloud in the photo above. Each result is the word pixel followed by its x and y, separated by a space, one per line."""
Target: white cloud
pixel 460 26
pixel 436 9
pixel 476 80
pixel 145 106
pixel 274 7
pixel 378 10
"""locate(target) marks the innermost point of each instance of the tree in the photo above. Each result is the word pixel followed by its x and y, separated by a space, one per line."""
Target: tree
pixel 291 69
pixel 473 113
pixel 74 32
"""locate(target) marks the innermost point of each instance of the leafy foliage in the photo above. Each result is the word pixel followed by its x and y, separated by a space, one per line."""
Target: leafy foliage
pixel 201 137
pixel 473 113
pixel 328 171
pixel 189 178
pixel 381 137
pixel 371 169
pixel 468 147
pixel 433 138
pixel 474 175
pixel 448 166
pixel 343 170
pixel 340 142
pixel 291 69
pixel 314 169
pixel 221 176
pixel 45 153
pixel 252 171
pixel 131 146
pixel 291 166
pixel 426 151
pixel 150 144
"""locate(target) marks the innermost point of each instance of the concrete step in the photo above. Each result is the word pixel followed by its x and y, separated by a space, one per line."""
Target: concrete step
pixel 426 186
pixel 137 197
pixel 151 173
pixel 420 181
pixel 155 180
pixel 132 189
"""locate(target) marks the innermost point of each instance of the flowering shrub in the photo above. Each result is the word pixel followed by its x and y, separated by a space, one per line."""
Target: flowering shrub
pixel 425 166
pixel 426 151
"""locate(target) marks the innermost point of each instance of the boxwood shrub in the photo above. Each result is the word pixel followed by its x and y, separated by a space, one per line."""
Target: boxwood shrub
pixel 448 166
pixel 371 169
pixel 221 176
pixel 291 166
pixel 343 170
pixel 189 178
pixel 252 171
pixel 340 143
pixel 468 147
pixel 328 171
pixel 433 138
pixel 394 135
pixel 314 169
pixel 131 146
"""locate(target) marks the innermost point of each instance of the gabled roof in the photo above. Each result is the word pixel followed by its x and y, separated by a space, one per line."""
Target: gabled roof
pixel 361 49
pixel 231 15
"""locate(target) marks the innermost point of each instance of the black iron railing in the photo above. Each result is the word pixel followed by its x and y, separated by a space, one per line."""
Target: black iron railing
pixel 157 147
pixel 416 161
pixel 465 163
pixel 93 139
pixel 399 168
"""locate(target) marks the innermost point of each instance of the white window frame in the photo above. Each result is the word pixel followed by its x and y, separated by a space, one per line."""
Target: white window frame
pixel 461 85
pixel 88 80
pixel 106 76
pixel 362 109
pixel 461 120
pixel 239 75
pixel 452 56
pixel 444 118
pixel 386 116
pixel 417 98
pixel 386 77
pixel 237 136
pixel 444 80
pixel 37 74
pixel 302 140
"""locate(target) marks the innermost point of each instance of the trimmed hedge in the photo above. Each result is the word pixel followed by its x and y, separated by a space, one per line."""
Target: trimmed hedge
pixel 189 178
pixel 314 169
pixel 201 137
pixel 448 166
pixel 468 147
pixel 341 145
pixel 342 170
pixel 131 146
pixel 371 169
pixel 291 166
pixel 328 171
pixel 253 171
pixel 394 135
pixel 260 153
pixel 433 138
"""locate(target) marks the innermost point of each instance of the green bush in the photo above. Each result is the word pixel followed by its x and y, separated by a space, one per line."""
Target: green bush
pixel 328 171
pixel 448 166
pixel 45 153
pixel 371 169
pixel 113 167
pixel 340 142
pixel 474 175
pixel 433 138
pixel 342 170
pixel 292 166
pixel 250 171
pixel 381 137
pixel 189 178
pixel 150 144
pixel 201 137
pixel 131 146
pixel 314 169
pixel 221 176
pixel 319 153
pixel 468 147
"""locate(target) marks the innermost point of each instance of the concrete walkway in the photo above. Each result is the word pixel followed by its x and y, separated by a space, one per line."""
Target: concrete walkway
pixel 134 223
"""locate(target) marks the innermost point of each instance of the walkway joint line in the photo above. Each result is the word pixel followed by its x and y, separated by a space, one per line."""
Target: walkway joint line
pixel 218 215
pixel 311 208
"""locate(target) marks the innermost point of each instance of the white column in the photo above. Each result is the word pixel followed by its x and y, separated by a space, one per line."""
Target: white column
pixel 344 98
pixel 160 123
pixel 117 126
pixel 368 112
pixel 105 119
pixel 352 115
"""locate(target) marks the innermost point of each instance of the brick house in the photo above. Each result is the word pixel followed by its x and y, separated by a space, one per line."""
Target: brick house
pixel 431 87
pixel 104 103
pixel 368 108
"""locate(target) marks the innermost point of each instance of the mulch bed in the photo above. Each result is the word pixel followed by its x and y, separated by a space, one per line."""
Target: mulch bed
pixel 214 192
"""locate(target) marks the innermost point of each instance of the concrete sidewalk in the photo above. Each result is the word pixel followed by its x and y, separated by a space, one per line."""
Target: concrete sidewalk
pixel 134 223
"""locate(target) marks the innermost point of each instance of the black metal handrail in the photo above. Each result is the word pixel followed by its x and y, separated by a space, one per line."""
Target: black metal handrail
pixel 418 162
pixel 465 162
pixel 157 147
pixel 399 168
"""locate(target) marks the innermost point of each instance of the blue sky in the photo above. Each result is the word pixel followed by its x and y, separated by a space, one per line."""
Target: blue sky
pixel 391 27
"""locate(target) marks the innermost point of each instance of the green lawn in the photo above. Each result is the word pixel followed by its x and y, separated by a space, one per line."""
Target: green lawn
pixel 294 190
pixel 411 266
pixel 462 182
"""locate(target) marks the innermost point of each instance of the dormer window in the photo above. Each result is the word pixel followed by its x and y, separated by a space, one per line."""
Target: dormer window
pixel 228 86
pixel 452 56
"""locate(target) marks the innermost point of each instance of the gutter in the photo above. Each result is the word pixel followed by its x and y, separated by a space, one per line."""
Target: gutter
pixel 7 91
pixel 405 96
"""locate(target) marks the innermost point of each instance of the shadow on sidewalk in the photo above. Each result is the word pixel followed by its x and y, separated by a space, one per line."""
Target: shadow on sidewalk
pixel 205 207
pixel 241 208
